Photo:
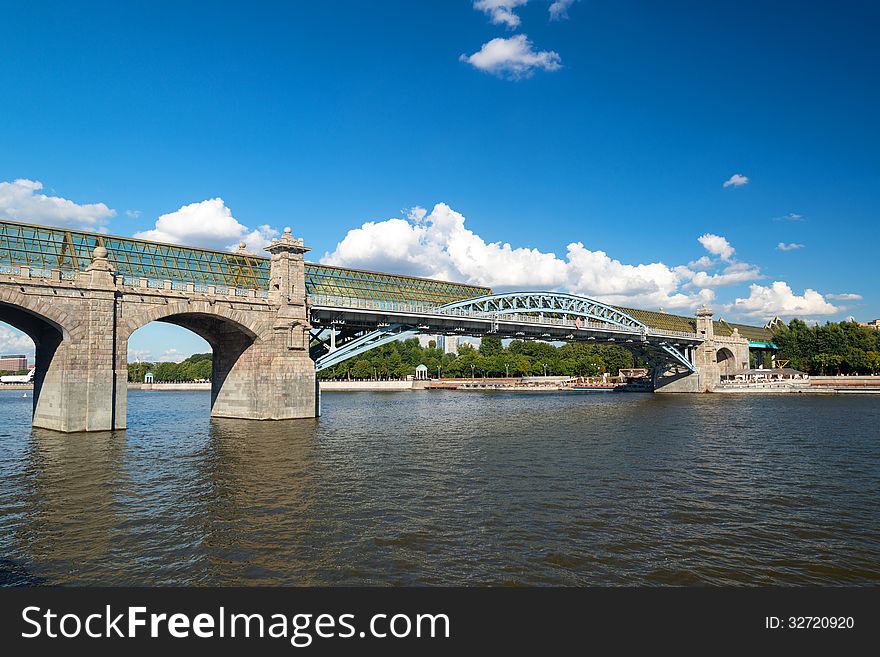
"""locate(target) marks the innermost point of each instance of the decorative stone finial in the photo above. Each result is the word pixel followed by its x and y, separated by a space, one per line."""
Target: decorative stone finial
pixel 287 242
pixel 704 311
pixel 99 260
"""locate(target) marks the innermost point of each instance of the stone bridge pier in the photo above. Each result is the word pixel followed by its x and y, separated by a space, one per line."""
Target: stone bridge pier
pixel 715 356
pixel 81 323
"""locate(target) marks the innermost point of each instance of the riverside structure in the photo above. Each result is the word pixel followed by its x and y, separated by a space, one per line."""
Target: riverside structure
pixel 273 322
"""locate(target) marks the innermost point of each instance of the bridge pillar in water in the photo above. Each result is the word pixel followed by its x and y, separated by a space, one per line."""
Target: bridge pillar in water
pixel 271 377
pixel 75 383
pixel 713 357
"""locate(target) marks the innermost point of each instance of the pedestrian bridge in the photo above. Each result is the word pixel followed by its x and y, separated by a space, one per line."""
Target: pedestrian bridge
pixel 272 322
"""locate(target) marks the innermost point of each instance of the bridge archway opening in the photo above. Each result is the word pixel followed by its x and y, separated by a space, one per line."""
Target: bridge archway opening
pixel 43 334
pixel 188 347
pixel 726 361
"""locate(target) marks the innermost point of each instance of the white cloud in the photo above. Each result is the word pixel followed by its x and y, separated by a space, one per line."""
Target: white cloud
pixel 139 355
pixel 208 224
pixel 512 58
pixel 717 245
pixel 13 341
pixel 778 299
pixel 133 214
pixel 844 297
pixel 736 180
pixel 791 216
pixel 500 12
pixel 20 200
pixel 733 274
pixel 791 246
pixel 703 262
pixel 171 356
pixel 559 9
pixel 439 245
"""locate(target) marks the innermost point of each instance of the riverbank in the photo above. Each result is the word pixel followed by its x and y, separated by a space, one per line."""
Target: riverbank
pixel 131 386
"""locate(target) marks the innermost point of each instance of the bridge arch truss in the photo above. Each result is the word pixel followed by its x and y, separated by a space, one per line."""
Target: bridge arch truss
pixel 552 316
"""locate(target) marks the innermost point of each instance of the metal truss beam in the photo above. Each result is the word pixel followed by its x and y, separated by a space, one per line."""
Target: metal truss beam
pixel 556 304
pixel 364 343
pixel 677 356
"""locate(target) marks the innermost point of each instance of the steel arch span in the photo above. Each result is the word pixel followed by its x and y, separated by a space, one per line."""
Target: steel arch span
pixel 493 313
pixel 551 303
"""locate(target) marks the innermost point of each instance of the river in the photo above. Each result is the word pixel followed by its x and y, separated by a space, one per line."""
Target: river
pixel 433 488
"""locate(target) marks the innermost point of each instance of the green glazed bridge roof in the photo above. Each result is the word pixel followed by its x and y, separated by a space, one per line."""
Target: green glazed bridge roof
pixel 47 248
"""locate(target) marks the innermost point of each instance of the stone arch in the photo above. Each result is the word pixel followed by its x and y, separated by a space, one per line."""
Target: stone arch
pixel 27 310
pixel 186 313
pixel 726 361
pixel 42 323
pixel 235 338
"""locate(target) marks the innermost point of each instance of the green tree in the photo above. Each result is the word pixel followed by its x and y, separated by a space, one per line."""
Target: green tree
pixel 362 369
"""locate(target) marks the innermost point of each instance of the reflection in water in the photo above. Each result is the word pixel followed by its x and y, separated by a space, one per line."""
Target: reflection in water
pixel 450 488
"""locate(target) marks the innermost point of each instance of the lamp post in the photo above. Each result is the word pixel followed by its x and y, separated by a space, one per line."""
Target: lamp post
pixel 507 368
pixel 472 370
pixel 545 368
pixel 438 371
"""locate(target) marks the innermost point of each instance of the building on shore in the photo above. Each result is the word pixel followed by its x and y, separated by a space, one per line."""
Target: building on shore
pixel 13 363
pixel 874 324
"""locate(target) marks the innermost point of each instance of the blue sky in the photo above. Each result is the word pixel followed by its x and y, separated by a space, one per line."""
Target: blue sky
pixel 596 145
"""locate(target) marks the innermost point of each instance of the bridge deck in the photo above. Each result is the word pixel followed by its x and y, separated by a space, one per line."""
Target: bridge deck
pixel 47 248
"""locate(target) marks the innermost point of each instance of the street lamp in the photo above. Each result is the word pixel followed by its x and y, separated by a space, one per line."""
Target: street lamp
pixel 507 367
pixel 472 370
pixel 438 371
pixel 545 368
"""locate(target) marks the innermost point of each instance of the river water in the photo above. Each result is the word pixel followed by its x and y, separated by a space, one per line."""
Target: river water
pixel 429 488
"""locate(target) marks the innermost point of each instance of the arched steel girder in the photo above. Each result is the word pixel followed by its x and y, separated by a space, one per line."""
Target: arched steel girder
pixel 555 303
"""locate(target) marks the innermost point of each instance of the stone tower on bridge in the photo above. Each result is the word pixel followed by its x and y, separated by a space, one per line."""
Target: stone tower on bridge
pixel 716 355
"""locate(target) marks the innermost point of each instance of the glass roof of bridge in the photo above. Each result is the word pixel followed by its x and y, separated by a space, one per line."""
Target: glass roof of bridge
pixel 49 248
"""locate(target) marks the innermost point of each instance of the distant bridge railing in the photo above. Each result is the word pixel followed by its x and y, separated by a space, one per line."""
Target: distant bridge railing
pixel 420 308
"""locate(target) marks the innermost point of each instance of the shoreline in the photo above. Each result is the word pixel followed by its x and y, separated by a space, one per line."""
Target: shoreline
pixel 820 385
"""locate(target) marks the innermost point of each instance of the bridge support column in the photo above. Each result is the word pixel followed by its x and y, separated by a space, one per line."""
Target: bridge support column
pixel 704 359
pixel 271 377
pixel 76 385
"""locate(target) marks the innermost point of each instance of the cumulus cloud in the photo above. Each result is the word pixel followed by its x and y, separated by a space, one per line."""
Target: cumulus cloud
pixel 717 245
pixel 791 246
pixel 15 342
pixel 500 12
pixel 736 180
pixel 778 299
pixel 20 200
pixel 171 356
pixel 512 58
pixel 439 245
pixel 844 297
pixel 208 224
pixel 732 274
pixel 559 9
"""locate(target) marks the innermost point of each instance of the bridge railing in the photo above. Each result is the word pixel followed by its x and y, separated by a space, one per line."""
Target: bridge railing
pixel 418 308
pixel 38 272
pixel 193 288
